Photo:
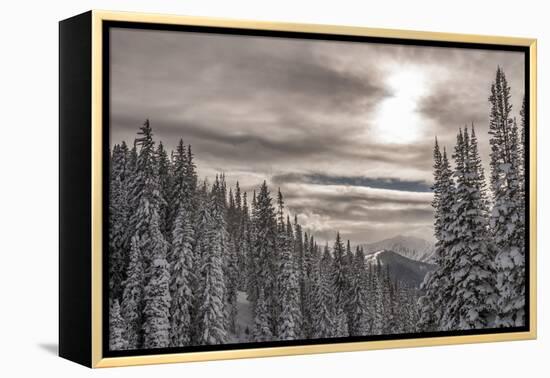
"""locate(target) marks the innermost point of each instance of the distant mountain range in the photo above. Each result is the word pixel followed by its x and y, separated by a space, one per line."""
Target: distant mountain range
pixel 407 246
pixel 401 268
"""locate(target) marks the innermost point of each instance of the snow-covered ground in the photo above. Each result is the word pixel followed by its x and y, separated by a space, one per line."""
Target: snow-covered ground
pixel 245 320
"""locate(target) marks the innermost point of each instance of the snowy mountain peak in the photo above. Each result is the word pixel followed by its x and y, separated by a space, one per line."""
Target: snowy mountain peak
pixel 411 247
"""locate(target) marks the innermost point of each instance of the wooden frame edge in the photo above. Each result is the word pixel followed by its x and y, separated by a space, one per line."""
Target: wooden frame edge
pixel 98 16
pixel 533 187
pixel 97 189
pixel 309 349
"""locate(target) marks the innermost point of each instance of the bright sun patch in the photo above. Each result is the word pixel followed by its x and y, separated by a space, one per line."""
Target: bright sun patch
pixel 397 119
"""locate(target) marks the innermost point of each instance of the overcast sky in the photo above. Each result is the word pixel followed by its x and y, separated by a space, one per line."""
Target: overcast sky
pixel 345 129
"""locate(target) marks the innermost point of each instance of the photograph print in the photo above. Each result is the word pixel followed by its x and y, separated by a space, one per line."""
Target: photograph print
pixel 272 188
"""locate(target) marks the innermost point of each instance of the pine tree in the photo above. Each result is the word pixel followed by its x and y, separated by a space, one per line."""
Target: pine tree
pixel 211 312
pixel 377 302
pixel 324 317
pixel 264 252
pixel 522 150
pixel 436 284
pixel 359 316
pixel 339 282
pixel 303 280
pixel 471 285
pixel 156 312
pixel 338 271
pixel 407 309
pixel 201 229
pixel 131 163
pixel 290 315
pixel 163 174
pixel 238 200
pixel 116 328
pixel 183 188
pixel 118 217
pixel 244 244
pixel 341 324
pixel 201 250
pixel 348 273
pixel 181 278
pixel 131 198
pixel 508 215
pixel 232 283
pixel 262 328
pixel 191 176
pixel 145 199
pixel 132 298
pixel 144 222
pixel 179 182
pixel 252 257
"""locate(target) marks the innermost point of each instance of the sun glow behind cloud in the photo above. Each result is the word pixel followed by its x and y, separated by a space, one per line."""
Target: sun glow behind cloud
pixel 397 119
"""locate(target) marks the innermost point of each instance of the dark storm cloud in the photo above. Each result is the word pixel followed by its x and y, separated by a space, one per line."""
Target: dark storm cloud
pixel 305 116
pixel 269 148
pixel 242 76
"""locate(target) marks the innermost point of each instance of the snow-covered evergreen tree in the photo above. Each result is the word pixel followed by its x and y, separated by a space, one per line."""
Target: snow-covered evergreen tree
pixel 359 315
pixel 132 298
pixel 340 323
pixel 232 283
pixel 244 243
pixel 264 252
pixel 116 328
pixel 145 195
pixel 211 312
pixel 290 315
pixel 338 271
pixel 340 283
pixel 303 280
pixel 181 278
pixel 522 146
pixel 156 312
pixel 387 292
pixel 118 218
pixel 164 178
pixel 407 309
pixel 201 248
pixel 376 302
pixel 324 319
pixel 348 273
pixel 471 304
pixel 178 182
pixel 262 328
pixel 436 283
pixel 508 216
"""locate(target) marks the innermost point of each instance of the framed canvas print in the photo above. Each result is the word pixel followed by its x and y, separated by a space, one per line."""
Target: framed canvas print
pixel 235 189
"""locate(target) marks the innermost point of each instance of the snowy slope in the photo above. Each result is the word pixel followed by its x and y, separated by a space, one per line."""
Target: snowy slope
pixel 245 320
pixel 401 268
pixel 408 246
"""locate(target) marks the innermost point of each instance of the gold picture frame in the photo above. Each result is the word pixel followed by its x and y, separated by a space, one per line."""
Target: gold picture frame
pixel 93 261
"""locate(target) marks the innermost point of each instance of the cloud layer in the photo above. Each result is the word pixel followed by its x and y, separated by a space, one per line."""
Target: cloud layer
pixel 306 116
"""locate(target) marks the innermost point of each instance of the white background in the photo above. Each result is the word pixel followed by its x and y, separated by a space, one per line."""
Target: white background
pixel 29 186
